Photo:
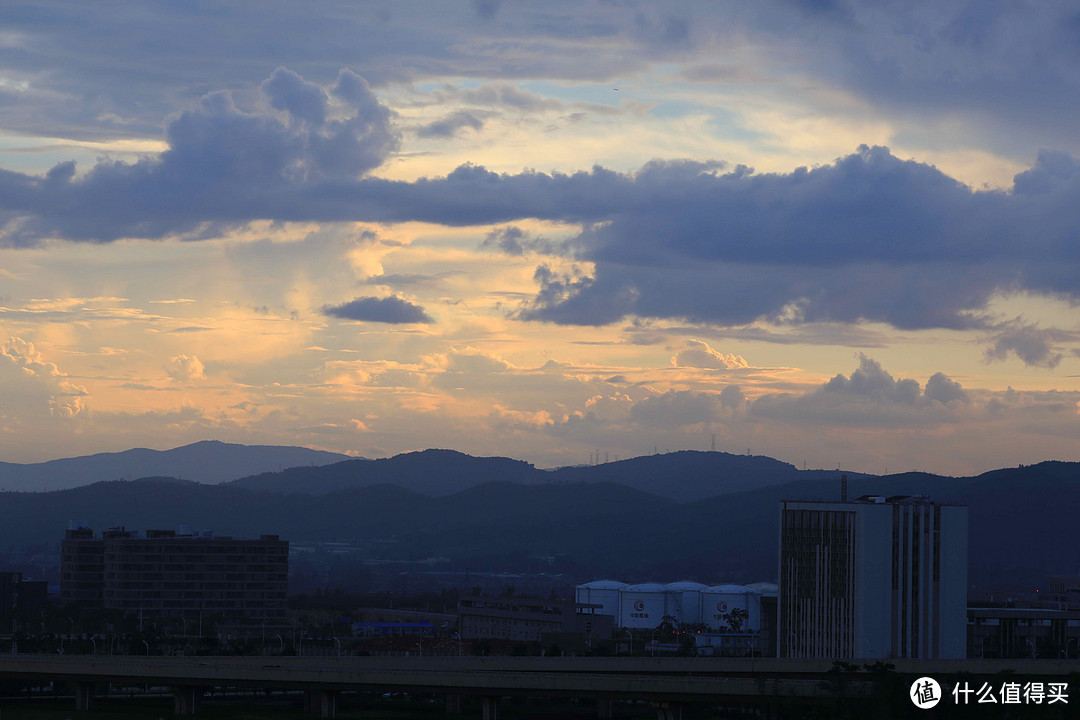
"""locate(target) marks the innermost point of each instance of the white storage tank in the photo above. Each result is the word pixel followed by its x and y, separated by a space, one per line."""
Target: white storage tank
pixel 644 606
pixel 687 598
pixel 604 593
pixel 764 588
pixel 719 600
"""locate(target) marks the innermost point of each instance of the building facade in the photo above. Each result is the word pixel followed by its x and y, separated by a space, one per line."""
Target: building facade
pixel 237 583
pixel 872 578
pixel 527 619
pixel 19 596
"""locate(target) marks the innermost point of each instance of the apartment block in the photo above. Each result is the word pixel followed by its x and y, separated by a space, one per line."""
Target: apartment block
pixel 236 583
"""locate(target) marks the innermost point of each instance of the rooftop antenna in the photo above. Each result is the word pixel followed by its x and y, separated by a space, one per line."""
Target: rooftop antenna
pixel 843 488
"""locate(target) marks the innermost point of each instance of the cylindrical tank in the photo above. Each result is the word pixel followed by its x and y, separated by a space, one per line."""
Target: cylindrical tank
pixel 720 600
pixel 645 606
pixel 687 598
pixel 764 588
pixel 604 593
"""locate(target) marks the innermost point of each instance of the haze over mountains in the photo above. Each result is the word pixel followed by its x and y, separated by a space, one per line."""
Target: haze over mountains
pixel 209 461
pixel 695 515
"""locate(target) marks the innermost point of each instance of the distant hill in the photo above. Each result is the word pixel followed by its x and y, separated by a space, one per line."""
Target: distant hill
pixel 209 461
pixel 431 472
pixel 683 476
pixel 1022 520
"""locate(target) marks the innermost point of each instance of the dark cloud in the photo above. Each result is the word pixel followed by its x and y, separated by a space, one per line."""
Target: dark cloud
pixel 1033 345
pixel 224 164
pixel 870 237
pixel 1001 69
pixel 508 95
pixel 392 310
pixel 404 279
pixel 449 125
pixel 513 240
pixel 508 240
pixel 732 397
pixel 941 388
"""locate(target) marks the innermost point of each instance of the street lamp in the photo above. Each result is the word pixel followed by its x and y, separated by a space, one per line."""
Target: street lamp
pixel 281 647
pixel 147 647
pixel 629 635
pixel 458 636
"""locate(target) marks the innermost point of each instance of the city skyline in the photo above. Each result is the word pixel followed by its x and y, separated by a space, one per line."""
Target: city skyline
pixel 839 234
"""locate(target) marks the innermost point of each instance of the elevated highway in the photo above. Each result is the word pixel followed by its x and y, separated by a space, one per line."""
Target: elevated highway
pixel 667 682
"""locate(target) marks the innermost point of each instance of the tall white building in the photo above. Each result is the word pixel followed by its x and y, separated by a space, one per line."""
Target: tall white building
pixel 872 578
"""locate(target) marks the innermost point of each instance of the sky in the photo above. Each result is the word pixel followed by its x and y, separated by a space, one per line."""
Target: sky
pixel 841 234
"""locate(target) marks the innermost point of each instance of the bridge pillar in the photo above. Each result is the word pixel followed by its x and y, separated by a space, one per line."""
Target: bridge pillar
pixel 453 704
pixel 491 708
pixel 187 699
pixel 605 708
pixel 84 696
pixel 668 710
pixel 326 703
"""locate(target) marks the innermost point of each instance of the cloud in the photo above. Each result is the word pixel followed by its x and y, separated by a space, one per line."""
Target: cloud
pixel 1033 345
pixel 869 397
pixel 513 240
pixel 942 389
pixel 699 354
pixel 224 164
pixel 185 368
pixel 676 408
pixel 868 238
pixel 33 390
pixel 449 125
pixel 732 397
pixel 508 95
pixel 373 309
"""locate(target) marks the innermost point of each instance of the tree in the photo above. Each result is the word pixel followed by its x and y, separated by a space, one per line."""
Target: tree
pixel 735 619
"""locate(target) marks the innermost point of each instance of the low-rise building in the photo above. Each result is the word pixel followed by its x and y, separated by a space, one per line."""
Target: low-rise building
pixel 527 619
pixel 239 583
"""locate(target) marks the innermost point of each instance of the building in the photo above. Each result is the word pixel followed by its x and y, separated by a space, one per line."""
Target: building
pixel 237 584
pixel 19 596
pixel 873 578
pixel 527 619
pixel 1024 633
pixel 1028 623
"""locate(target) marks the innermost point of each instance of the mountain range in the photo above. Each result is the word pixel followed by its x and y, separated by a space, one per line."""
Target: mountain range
pixel 209 461
pixel 496 512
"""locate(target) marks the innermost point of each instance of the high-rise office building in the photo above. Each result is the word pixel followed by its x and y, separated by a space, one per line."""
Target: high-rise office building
pixel 239 583
pixel 872 578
